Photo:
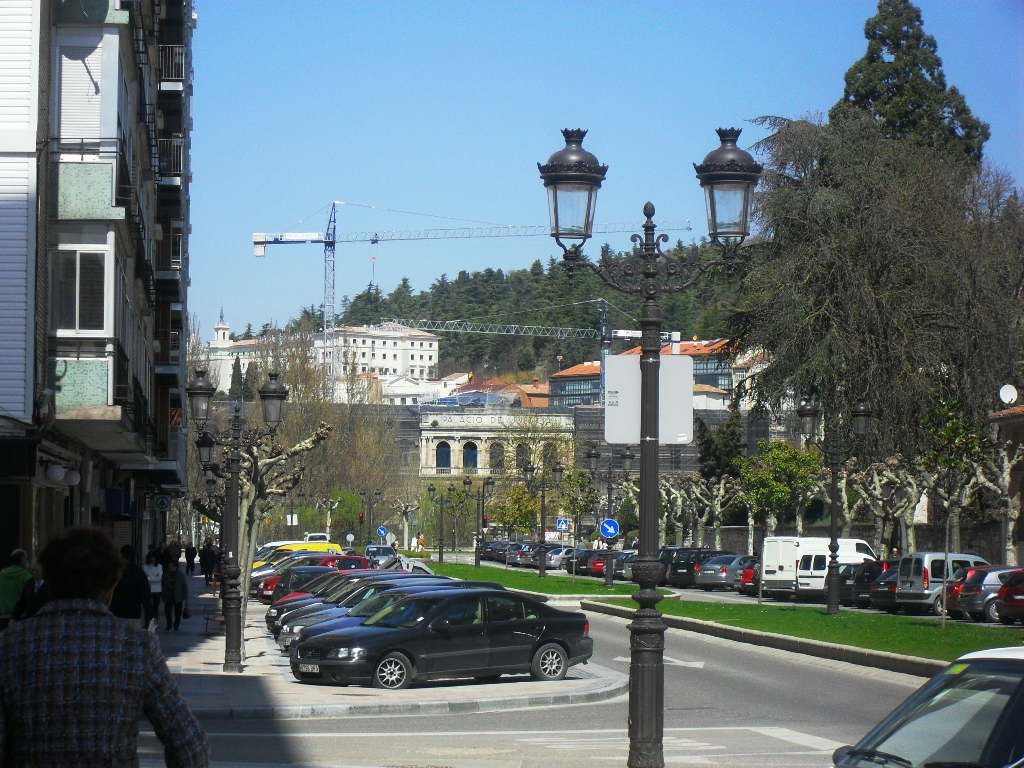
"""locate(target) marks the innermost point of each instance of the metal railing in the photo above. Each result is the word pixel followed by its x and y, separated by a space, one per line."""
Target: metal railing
pixel 171 257
pixel 172 153
pixel 172 62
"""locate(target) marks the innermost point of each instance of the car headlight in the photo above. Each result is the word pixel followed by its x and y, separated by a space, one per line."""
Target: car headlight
pixel 295 628
pixel 272 613
pixel 346 654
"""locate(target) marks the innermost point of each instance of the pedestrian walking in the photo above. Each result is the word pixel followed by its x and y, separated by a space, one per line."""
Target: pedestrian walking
pixel 34 595
pixel 12 582
pixel 207 560
pixel 75 681
pixel 131 598
pixel 155 576
pixel 190 558
pixel 174 593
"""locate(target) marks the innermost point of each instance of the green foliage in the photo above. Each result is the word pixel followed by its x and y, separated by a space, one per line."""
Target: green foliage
pixel 235 391
pixel 953 440
pixel 516 510
pixel 579 497
pixel 900 83
pixel 778 479
pixel 885 272
pixel 720 450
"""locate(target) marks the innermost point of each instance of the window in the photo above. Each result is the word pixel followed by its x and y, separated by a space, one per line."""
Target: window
pixel 497 457
pixel 469 455
pixel 77 299
pixel 443 455
pixel 502 608
pixel 463 612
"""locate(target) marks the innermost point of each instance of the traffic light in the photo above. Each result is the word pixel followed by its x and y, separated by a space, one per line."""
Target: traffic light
pixel 361 515
pixel 484 523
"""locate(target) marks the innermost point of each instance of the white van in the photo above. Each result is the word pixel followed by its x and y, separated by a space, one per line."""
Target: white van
pixel 782 556
pixel 812 570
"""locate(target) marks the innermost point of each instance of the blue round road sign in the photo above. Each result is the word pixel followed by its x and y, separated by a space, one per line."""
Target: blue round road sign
pixel 382 531
pixel 609 528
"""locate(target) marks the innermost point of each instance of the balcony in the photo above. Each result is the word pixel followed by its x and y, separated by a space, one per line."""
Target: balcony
pixel 172 65
pixel 483 471
pixel 172 159
pixel 171 258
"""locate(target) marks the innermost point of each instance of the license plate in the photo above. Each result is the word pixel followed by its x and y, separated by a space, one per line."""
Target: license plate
pixel 314 668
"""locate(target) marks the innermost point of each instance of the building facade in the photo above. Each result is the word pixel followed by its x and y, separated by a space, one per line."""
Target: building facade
pixel 94 162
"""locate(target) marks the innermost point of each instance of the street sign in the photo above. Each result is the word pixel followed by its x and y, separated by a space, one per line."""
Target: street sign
pixel 622 399
pixel 609 528
pixel 350 537
pixel 292 519
pixel 562 524
pixel 588 521
pixel 382 531
pixel 163 503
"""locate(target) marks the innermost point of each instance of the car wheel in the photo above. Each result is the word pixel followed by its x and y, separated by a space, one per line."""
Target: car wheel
pixel 549 663
pixel 991 611
pixel 936 608
pixel 393 672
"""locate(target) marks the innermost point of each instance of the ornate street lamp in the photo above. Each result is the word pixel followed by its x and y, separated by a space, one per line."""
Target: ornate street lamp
pixel 370 499
pixel 440 499
pixel 200 394
pixel 593 457
pixel 529 475
pixel 572 177
pixel 485 487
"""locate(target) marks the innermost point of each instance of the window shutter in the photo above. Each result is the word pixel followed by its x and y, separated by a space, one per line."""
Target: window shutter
pixel 81 72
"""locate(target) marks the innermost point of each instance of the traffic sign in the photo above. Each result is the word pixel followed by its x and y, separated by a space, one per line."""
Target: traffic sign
pixel 382 531
pixel 562 524
pixel 163 503
pixel 609 528
pixel 350 537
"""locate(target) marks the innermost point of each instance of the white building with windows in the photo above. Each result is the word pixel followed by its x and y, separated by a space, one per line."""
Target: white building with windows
pixel 388 349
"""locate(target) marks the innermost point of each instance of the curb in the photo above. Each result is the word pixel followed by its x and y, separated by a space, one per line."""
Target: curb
pixel 893 662
pixel 616 684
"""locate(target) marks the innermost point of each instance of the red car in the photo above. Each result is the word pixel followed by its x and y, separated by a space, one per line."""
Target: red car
pixel 265 589
pixel 1010 602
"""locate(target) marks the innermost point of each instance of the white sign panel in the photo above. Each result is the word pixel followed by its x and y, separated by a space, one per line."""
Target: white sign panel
pixel 622 399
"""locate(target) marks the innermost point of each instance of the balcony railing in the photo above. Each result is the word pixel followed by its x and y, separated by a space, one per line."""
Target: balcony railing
pixel 172 62
pixel 496 471
pixel 172 152
pixel 171 253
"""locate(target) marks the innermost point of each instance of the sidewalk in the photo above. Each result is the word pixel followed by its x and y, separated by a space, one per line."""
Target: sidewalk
pixel 266 688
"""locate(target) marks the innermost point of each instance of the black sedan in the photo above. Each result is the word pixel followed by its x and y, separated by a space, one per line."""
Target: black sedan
pixel 481 633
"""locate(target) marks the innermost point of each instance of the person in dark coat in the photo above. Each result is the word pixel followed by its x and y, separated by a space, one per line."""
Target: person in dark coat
pixel 208 560
pixel 33 597
pixel 174 593
pixel 131 595
pixel 190 558
pixel 75 681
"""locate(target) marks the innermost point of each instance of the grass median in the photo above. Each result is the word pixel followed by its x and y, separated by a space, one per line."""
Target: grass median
pixel 529 581
pixel 910 635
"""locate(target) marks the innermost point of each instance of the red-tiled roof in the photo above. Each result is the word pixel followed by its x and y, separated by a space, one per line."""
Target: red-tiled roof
pixel 582 369
pixel 709 347
pixel 1017 412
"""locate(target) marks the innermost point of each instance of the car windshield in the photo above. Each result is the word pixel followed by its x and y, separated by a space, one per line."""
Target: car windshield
pixel 407 613
pixel 371 605
pixel 968 715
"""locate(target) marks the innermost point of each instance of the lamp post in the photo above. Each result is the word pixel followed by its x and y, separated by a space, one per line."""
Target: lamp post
pixel 200 393
pixel 572 177
pixel 440 499
pixel 370 499
pixel 593 457
pixel 529 475
pixel 481 496
pixel 836 449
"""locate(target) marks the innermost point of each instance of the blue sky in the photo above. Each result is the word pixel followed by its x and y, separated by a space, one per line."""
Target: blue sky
pixel 444 108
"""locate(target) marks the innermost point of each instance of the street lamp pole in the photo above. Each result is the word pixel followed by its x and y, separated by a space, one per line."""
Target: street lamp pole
pixel 440 499
pixel 200 393
pixel 835 453
pixel 481 498
pixel 593 457
pixel 370 499
pixel 529 472
pixel 572 177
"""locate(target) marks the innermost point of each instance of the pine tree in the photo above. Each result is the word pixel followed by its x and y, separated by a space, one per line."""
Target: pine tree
pixel 900 83
pixel 235 392
pixel 249 383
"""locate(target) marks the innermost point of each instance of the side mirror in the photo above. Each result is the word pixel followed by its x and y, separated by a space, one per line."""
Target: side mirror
pixel 840 754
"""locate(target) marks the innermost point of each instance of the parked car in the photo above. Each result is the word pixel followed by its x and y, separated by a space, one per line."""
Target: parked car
pixel 922 577
pixel 475 633
pixel 978 592
pixel 513 550
pixel 315 590
pixel 523 557
pixel 737 568
pixel 714 573
pixel 967 715
pixel 882 591
pixel 262 582
pixel 750 579
pixel 294 579
pixel 494 550
pixel 578 561
pixel 1010 599
pixel 622 561
pixel 858 593
pixel 686 565
pixel 379 553
pixel 554 555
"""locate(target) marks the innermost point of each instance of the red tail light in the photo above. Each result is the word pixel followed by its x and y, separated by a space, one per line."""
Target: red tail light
pixel 723 569
pixel 958 589
pixel 926 579
pixel 586 626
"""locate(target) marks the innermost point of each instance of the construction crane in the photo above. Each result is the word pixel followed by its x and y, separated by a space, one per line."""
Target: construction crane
pixel 601 332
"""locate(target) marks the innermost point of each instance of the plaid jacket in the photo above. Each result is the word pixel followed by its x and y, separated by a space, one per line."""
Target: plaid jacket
pixel 74 683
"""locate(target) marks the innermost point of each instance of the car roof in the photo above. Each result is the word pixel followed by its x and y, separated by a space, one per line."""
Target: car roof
pixel 1011 653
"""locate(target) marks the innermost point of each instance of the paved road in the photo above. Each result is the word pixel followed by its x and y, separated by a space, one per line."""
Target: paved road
pixel 726 704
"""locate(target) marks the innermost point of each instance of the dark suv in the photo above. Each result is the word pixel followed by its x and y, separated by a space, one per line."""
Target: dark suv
pixel 685 563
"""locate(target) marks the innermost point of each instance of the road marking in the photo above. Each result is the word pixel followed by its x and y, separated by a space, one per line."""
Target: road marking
pixel 670 661
pixel 798 738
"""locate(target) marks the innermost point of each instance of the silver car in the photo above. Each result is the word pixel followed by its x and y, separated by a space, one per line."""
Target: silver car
pixel 714 574
pixel 980 590
pixel 735 573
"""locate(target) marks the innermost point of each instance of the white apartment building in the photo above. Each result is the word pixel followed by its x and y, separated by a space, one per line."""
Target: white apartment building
pixel 388 349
